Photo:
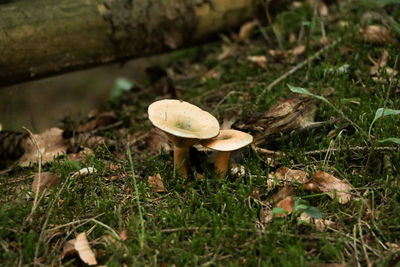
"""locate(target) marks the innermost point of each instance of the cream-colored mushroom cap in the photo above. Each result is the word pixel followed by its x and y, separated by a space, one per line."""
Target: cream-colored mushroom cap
pixel 228 140
pixel 183 119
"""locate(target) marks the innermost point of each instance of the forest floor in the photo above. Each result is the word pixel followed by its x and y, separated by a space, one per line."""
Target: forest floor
pixel 319 186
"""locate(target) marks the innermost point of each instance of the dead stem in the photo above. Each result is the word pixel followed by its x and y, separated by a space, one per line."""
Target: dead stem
pixel 296 68
pixel 35 201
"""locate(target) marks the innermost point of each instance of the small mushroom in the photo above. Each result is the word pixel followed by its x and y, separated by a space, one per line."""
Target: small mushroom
pixel 226 142
pixel 185 125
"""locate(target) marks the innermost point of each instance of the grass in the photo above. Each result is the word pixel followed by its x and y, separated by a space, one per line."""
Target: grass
pixel 216 221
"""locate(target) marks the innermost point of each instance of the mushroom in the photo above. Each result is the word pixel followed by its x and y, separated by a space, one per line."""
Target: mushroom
pixel 226 142
pixel 185 125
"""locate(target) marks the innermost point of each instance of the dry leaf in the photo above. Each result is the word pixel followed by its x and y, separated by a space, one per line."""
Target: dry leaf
pixel 320 224
pixel 69 249
pixel 328 183
pixel 50 142
pixel 266 215
pixel 47 180
pixel 80 246
pixel 246 30
pixel 238 170
pixel 156 183
pixel 85 252
pixel 101 119
pixel 292 38
pixel 393 246
pixel 1 127
pixel 323 9
pixel 84 172
pixel 123 235
pixel 227 51
pixel 211 74
pixel 81 154
pixel 304 217
pixel 152 142
pixel 260 61
pixel 282 193
pixel 379 70
pixel 286 204
pixel 377 34
pixel 291 175
pixel 277 54
pixel 297 51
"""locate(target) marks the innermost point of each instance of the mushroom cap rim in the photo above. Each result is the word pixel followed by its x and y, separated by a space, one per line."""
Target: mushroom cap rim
pixel 237 141
pixel 182 133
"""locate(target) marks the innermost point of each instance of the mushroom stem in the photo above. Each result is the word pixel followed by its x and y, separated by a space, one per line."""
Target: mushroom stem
pixel 222 162
pixel 181 157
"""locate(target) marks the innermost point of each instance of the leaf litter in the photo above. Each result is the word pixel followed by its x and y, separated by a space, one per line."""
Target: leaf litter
pixel 79 245
pixel 48 180
pixel 156 183
pixel 51 144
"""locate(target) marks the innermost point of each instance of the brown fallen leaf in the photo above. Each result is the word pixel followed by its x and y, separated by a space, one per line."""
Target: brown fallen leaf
pixel 79 246
pixel 393 246
pixel 322 9
pixel 123 235
pixel 238 170
pixel 260 61
pixel 69 249
pixel 81 154
pixel 320 224
pixel 379 69
pixel 286 204
pixel 291 175
pixel 297 51
pixel 211 74
pixel 83 248
pixel 282 193
pixel 377 34
pixel 292 38
pixel 99 120
pixel 325 182
pixel 246 30
pixel 266 215
pixel 156 183
pixel 151 142
pixel 47 180
pixel 266 212
pixel 50 142
pixel 293 53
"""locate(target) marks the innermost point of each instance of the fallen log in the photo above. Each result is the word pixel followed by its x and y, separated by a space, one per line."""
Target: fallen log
pixel 39 38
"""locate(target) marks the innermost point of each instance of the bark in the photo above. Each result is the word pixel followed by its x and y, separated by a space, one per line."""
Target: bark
pixel 39 38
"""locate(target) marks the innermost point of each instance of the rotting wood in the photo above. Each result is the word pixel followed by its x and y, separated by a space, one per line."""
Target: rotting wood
pixel 39 38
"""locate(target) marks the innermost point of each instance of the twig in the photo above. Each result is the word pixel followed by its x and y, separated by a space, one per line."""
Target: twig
pixel 296 68
pixel 355 246
pixel 107 127
pixel 107 227
pixel 35 201
pixel 354 148
pixel 141 233
pixel 41 236
pixel 75 222
pixel 369 264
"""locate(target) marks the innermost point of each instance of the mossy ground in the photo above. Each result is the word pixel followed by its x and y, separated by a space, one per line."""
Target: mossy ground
pixel 216 221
